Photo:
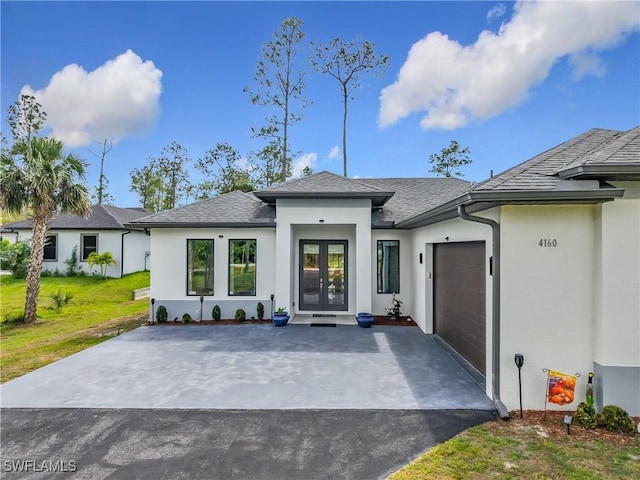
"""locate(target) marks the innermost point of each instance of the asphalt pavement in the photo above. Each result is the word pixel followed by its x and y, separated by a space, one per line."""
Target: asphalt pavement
pixel 123 444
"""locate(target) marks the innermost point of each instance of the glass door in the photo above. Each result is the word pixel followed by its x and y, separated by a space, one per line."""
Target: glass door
pixel 323 275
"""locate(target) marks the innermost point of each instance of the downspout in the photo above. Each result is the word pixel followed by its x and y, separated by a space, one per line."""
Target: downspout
pixel 495 320
pixel 122 252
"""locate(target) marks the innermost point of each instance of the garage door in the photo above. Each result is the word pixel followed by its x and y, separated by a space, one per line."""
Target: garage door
pixel 459 299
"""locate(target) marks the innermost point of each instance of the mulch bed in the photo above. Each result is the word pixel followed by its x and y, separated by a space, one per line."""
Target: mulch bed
pixel 550 424
pixel 379 320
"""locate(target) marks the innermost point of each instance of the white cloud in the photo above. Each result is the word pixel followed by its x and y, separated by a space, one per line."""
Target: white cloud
pixel 497 11
pixel 455 84
pixel 116 100
pixel 334 153
pixel 306 160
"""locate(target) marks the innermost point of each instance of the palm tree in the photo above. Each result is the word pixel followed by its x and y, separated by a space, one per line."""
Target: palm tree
pixel 37 175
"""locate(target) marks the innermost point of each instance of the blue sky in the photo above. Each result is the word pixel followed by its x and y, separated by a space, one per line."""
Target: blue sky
pixel 507 80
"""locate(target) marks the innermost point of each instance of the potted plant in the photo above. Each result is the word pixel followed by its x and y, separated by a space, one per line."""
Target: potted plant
pixel 365 320
pixel 260 309
pixel 280 317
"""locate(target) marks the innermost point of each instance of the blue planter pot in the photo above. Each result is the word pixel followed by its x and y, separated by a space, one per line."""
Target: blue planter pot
pixel 365 320
pixel 280 319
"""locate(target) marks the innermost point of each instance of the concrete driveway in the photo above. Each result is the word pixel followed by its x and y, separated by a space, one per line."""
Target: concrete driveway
pixel 254 367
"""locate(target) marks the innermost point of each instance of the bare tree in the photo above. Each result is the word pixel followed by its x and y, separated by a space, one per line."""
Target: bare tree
pixel 101 194
pixel 280 86
pixel 346 62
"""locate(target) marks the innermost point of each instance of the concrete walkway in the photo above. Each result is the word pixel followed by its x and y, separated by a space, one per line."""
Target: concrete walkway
pixel 254 367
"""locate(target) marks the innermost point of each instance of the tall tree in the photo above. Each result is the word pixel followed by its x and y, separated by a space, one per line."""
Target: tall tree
pixel 346 62
pixel 25 118
pixel 450 159
pixel 171 164
pixel 147 183
pixel 36 174
pixel 220 167
pixel 267 165
pixel 101 195
pixel 280 86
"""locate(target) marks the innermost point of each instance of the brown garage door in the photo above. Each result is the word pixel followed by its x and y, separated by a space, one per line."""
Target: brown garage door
pixel 459 298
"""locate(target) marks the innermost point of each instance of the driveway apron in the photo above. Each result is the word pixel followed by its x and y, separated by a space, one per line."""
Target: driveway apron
pixel 254 367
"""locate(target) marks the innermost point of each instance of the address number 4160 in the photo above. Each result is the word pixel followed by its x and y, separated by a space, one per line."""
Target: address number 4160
pixel 548 242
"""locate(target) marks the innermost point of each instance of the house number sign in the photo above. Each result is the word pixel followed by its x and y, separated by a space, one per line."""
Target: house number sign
pixel 548 243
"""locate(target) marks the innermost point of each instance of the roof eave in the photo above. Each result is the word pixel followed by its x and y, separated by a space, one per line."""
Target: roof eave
pixel 148 225
pixel 483 200
pixel 377 198
pixel 605 172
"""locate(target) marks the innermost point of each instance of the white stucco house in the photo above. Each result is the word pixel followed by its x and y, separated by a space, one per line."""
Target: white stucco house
pixel 102 231
pixel 542 259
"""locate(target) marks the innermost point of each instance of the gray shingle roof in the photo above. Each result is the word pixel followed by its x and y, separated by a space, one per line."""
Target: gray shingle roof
pixel 322 182
pixel 617 158
pixel 324 185
pixel 540 172
pixel 102 217
pixel 234 208
pixel 414 195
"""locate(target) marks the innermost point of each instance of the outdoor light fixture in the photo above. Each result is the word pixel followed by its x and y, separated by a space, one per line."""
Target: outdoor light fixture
pixel 201 300
pixel 420 257
pixel 272 297
pixel 519 359
pixel 568 419
pixel 446 238
pixel 153 311
pixel 220 236
pixel 321 221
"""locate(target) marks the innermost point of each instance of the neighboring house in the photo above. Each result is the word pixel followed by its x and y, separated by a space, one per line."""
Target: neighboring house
pixel 542 259
pixel 103 230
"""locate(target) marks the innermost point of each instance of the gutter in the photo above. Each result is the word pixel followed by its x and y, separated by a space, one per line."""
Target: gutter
pixel 122 252
pixel 492 198
pixel 495 320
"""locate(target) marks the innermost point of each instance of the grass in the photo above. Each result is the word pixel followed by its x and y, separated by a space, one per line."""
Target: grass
pixel 509 450
pixel 99 309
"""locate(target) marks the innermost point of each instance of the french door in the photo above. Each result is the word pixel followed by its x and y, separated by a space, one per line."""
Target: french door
pixel 323 275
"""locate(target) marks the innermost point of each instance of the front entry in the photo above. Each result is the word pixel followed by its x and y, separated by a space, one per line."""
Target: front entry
pixel 323 275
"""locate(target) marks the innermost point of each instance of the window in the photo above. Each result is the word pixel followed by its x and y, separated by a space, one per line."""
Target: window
pixel 388 266
pixel 242 267
pixel 88 244
pixel 199 267
pixel 51 248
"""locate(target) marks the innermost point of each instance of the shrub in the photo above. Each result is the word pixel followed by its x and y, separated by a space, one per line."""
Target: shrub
pixel 103 260
pixel 161 314
pixel 241 315
pixel 616 419
pixel 586 416
pixel 60 299
pixel 16 316
pixel 186 318
pixel 15 257
pixel 215 313
pixel 260 309
pixel 72 262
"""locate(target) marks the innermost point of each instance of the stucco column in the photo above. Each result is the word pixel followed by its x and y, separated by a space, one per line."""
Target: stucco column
pixel 363 265
pixel 283 266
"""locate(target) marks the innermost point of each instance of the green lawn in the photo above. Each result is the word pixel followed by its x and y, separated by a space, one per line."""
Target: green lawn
pixel 515 450
pixel 98 309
